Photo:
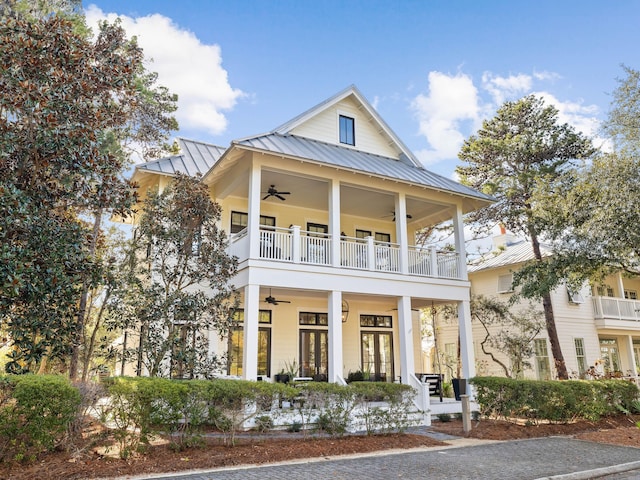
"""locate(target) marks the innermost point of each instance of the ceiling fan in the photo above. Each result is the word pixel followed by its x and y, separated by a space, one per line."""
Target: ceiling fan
pixel 274 301
pixel 273 192
pixel 393 214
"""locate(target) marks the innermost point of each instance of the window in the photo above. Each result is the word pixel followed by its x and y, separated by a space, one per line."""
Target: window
pixel 383 321
pixel 239 221
pixel 236 343
pixel 505 283
pixel 543 367
pixel 604 291
pixel 580 356
pixel 575 297
pixel 378 237
pixel 609 354
pixel 317 228
pixel 631 294
pixel 347 130
pixel 312 318
pixel 314 353
pixel 636 354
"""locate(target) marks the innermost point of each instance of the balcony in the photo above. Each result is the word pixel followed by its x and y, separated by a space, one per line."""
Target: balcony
pixel 292 245
pixel 611 312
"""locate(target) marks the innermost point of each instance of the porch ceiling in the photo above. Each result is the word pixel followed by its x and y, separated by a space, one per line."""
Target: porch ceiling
pixel 312 193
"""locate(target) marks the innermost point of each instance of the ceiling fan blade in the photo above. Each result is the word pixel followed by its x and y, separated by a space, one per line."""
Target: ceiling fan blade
pixel 266 196
pixel 284 193
pixel 284 301
pixel 277 195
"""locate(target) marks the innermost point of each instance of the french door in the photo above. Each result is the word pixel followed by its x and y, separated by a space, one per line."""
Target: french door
pixel 377 355
pixel 314 353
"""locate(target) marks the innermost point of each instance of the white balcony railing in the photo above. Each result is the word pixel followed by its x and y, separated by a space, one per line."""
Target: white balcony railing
pixel 297 246
pixel 616 308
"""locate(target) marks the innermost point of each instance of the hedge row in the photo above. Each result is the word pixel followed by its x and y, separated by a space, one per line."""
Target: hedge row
pixel 39 413
pixel 554 401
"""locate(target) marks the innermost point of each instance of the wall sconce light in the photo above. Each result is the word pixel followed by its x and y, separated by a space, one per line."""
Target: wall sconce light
pixel 345 311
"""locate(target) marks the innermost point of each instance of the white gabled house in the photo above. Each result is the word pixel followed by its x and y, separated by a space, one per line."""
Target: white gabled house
pixel 322 214
pixel 598 327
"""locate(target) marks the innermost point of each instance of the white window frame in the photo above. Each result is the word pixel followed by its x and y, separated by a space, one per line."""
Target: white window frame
pixel 575 297
pixel 505 283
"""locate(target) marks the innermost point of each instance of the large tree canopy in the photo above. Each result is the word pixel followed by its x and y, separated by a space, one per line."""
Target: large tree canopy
pixel 180 293
pixel 514 157
pixel 68 105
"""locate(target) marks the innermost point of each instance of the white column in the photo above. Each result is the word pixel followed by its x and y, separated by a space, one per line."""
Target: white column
pixel 631 361
pixel 458 232
pixel 620 285
pixel 405 334
pixel 335 336
pixel 253 213
pixel 250 346
pixel 467 355
pixel 295 248
pixel 334 221
pixel 401 231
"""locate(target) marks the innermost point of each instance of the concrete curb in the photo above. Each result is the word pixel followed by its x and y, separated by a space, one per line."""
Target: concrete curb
pixel 596 472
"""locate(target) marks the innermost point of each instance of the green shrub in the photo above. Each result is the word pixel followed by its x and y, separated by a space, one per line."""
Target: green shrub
pixel 554 401
pixel 444 417
pixel 36 412
pixel 392 417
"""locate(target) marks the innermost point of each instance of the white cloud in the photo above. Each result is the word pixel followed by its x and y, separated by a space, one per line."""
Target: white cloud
pixel 454 108
pixel 452 100
pixel 506 88
pixel 185 66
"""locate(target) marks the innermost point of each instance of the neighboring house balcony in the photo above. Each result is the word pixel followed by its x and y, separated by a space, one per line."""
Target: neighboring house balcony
pixel 616 313
pixel 293 245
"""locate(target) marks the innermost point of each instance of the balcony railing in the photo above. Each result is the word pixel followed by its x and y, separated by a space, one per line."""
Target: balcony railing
pixel 616 308
pixel 299 246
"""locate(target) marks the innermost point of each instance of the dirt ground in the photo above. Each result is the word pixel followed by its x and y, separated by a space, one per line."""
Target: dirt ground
pixel 90 461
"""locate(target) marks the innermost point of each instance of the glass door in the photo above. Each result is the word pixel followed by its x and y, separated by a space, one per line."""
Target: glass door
pixel 314 358
pixel 377 356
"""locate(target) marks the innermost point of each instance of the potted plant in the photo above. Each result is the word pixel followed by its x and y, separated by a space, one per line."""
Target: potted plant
pixel 281 377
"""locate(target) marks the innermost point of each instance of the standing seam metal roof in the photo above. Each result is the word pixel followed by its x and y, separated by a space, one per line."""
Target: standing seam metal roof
pixel 356 160
pixel 513 254
pixel 196 158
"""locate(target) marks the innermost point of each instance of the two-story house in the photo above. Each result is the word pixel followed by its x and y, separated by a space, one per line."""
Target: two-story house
pixel 322 213
pixel 598 327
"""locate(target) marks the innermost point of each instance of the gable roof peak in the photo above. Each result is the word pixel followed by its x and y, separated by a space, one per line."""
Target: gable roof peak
pixel 405 154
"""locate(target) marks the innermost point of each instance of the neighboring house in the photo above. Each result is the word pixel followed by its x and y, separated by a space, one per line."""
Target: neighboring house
pixel 322 214
pixel 598 328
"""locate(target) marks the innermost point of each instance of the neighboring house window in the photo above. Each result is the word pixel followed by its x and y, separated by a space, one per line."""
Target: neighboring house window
pixel 636 354
pixel 543 367
pixel 604 291
pixel 505 283
pixel 610 355
pixel 236 342
pixel 631 294
pixel 240 220
pixel 451 358
pixel 575 297
pixel 347 130
pixel 580 356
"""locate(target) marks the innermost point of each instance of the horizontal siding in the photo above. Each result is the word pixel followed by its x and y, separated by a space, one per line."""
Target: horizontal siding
pixel 324 128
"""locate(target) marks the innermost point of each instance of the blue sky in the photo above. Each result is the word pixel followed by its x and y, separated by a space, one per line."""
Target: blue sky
pixel 433 69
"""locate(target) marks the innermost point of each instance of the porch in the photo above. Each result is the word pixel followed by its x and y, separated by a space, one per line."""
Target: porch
pixel 612 312
pixel 293 245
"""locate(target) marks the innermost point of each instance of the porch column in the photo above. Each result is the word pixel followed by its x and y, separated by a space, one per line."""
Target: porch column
pixel 250 343
pixel 253 212
pixel 631 357
pixel 335 336
pixel 405 334
pixel 401 232
pixel 458 232
pixel 334 221
pixel 620 285
pixel 467 355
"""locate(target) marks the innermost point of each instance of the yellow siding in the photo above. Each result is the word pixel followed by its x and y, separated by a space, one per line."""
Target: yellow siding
pixel 324 127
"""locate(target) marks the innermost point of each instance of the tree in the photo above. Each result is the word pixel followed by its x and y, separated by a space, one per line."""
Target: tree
pixel 513 157
pixel 184 293
pixel 594 210
pixel 67 105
